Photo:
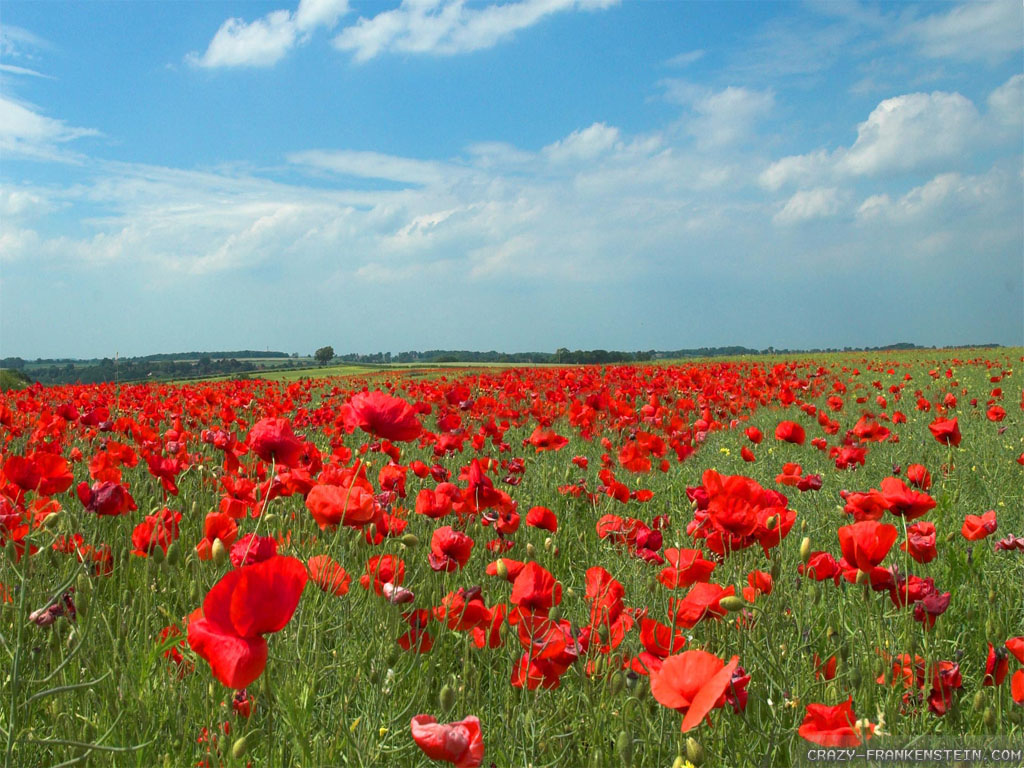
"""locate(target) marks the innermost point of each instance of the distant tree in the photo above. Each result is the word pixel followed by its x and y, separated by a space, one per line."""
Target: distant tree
pixel 324 355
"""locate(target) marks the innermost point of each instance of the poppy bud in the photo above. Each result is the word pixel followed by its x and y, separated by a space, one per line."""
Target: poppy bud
pixel 863 577
pixel 805 550
pixel 855 677
pixel 733 603
pixel 570 593
pixel 816 594
pixel 776 570
pixel 950 536
pixel 844 651
pixel 989 717
pixel 618 682
pixel 979 701
pixel 771 522
pixel 157 555
pixel 218 552
pixel 239 748
pixel 547 543
pixel 173 554
pixel 555 613
pixel 679 762
pixel 531 551
pixel 500 569
pixel 51 520
pixel 803 526
pixel 272 520
pixel 11 550
pixel 991 597
pixel 447 697
pixel 372 530
pixel 83 592
pixel 694 751
pixel 624 747
pixel 411 540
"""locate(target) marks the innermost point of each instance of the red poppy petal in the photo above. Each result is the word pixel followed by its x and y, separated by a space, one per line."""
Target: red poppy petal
pixel 266 595
pixel 709 695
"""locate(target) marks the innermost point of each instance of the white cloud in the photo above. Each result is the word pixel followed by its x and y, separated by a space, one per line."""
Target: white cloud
pixel 720 118
pixel 795 169
pixel 686 58
pixel 913 131
pixel 971 31
pixel 374 165
pixel 264 42
pixel 584 145
pixel 1006 105
pixel 26 132
pixel 11 69
pixel 807 204
pixel 19 43
pixel 946 192
pixel 448 27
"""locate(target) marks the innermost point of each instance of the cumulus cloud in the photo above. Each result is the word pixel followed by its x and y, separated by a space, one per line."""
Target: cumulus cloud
pixel 719 118
pixel 267 40
pixel 912 131
pixel 448 27
pixel 807 204
pixel 954 193
pixel 584 145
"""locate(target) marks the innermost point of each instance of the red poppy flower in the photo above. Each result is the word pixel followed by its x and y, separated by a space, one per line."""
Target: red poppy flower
pixel 157 530
pixel 273 440
pixel 790 432
pixel 328 575
pixel 381 570
pixel 535 589
pixel 382 415
pixel 904 502
pixel 865 544
pixel 919 476
pixel 217 525
pixel 449 549
pixel 251 549
pixel 542 517
pixel 753 435
pixel 835 726
pixel 920 543
pixel 244 605
pixel 694 683
pixel 332 505
pixel 106 498
pixel 977 527
pixel 460 743
pixel 686 567
pixel 45 473
pixel 946 431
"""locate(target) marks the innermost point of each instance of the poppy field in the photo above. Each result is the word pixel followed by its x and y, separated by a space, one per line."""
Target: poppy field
pixel 710 563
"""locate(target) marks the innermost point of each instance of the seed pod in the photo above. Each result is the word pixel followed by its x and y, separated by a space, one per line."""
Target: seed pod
pixel 694 751
pixel 979 701
pixel 173 554
pixel 218 552
pixel 447 697
pixel 805 550
pixel 617 683
pixel 83 594
pixel 733 603
pixel 411 540
pixel 239 748
pixel 624 747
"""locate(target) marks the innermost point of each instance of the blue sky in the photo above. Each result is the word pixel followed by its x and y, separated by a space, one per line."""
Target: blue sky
pixel 519 175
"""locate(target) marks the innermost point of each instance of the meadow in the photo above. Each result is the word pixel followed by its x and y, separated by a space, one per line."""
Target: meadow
pixel 722 563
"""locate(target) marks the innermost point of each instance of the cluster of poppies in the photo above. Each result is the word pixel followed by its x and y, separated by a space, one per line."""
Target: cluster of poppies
pixel 346 456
